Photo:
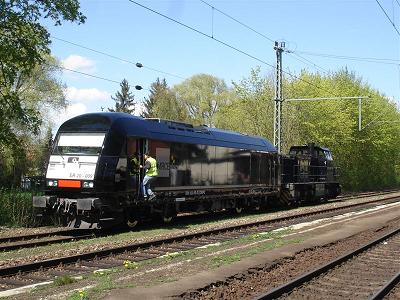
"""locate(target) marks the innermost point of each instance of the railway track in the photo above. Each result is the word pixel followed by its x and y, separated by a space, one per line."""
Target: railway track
pixel 369 272
pixel 18 238
pixel 42 239
pixel 28 274
pixel 363 194
pixel 68 235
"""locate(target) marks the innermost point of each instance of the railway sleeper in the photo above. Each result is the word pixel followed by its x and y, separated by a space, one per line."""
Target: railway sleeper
pixel 97 264
pixel 75 269
pixel 155 252
pixel 12 282
pixel 175 248
pixel 39 278
pixel 59 273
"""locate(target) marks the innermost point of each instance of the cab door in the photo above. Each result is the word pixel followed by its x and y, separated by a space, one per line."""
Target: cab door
pixel 135 151
pixel 141 145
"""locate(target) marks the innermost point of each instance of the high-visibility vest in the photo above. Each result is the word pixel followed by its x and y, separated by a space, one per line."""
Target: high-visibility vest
pixel 153 167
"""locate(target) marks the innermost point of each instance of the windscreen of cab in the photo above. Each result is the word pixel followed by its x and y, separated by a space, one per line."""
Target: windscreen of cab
pixel 86 143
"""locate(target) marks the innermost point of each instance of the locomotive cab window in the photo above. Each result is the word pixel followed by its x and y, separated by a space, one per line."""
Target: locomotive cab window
pixel 79 143
pixel 328 155
pixel 322 154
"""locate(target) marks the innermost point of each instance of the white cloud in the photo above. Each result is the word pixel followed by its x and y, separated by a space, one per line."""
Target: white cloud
pixel 79 63
pixel 139 108
pixel 86 95
pixel 74 110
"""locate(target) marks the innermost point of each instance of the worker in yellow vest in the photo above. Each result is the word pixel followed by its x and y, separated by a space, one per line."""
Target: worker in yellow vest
pixel 135 165
pixel 150 167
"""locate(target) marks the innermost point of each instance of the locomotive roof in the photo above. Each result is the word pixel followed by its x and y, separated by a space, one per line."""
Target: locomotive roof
pixel 165 130
pixel 307 147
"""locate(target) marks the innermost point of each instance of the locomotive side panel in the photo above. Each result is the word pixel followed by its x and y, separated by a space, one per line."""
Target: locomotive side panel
pixel 204 166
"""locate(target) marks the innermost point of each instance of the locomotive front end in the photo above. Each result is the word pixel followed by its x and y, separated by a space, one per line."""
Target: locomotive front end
pixel 74 180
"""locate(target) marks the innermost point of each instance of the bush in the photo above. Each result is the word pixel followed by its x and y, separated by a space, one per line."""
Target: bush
pixel 16 208
pixel 64 280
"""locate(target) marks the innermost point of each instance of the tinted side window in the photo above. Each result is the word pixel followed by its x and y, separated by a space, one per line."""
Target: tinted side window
pixel 179 173
pixel 255 167
pixel 113 143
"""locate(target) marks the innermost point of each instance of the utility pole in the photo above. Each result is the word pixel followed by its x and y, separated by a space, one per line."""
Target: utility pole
pixel 279 48
pixel 359 113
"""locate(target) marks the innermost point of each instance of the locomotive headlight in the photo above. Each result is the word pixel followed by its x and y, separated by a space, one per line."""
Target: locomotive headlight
pixel 88 184
pixel 53 183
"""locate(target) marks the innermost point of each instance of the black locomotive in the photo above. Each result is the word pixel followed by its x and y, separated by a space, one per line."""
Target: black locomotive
pixel 92 182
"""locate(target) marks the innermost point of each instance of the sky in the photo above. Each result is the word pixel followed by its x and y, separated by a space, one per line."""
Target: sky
pixel 166 49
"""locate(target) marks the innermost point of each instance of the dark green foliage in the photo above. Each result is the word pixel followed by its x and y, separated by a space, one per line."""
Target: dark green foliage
pixel 149 103
pixel 28 87
pixel 43 154
pixel 30 159
pixel 24 44
pixel 124 99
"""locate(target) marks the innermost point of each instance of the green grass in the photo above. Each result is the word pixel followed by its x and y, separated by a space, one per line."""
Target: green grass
pixel 228 259
pixel 16 208
pixel 63 280
pixel 225 259
pixel 79 295
pixel 104 283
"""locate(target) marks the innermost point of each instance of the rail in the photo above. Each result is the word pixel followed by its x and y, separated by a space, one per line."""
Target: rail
pixel 297 282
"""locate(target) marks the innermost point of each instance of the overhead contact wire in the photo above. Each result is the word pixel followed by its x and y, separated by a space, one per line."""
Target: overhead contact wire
pixel 387 61
pixel 237 21
pixel 257 32
pixel 116 57
pixel 83 73
pixel 390 20
pixel 223 43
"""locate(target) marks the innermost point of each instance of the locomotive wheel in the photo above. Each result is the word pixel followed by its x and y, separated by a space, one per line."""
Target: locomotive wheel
pixel 132 223
pixel 167 219
pixel 239 210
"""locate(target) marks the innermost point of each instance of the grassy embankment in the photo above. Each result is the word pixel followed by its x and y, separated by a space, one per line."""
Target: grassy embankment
pixel 16 208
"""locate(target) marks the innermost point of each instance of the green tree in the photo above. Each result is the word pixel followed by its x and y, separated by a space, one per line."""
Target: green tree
pixel 368 159
pixel 157 89
pixel 251 109
pixel 24 44
pixel 202 96
pixel 42 91
pixel 41 152
pixel 162 103
pixel 124 99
